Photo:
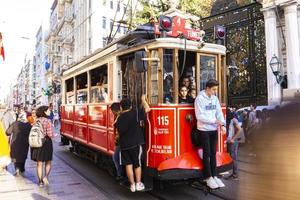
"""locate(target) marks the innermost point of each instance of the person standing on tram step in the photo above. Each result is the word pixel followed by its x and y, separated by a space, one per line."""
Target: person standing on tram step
pixel 209 116
pixel 19 132
pixel 116 110
pixel 131 141
pixel 44 153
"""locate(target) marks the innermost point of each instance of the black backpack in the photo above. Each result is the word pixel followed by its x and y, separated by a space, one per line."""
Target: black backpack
pixel 195 137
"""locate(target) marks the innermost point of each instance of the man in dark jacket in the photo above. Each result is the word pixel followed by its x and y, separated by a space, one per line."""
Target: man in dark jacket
pixel 131 141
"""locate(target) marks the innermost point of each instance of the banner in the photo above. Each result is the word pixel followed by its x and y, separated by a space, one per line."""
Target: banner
pixel 1 47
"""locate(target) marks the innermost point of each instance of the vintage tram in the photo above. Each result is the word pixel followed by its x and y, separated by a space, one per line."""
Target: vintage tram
pixel 146 61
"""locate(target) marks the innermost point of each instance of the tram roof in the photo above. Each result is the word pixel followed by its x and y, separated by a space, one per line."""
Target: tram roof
pixel 136 40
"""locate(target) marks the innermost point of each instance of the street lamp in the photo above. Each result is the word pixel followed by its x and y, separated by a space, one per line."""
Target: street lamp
pixel 276 67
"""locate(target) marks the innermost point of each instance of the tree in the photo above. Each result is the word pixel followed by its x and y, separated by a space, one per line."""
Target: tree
pixel 200 8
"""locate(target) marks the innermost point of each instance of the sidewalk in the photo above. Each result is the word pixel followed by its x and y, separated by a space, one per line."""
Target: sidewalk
pixel 65 184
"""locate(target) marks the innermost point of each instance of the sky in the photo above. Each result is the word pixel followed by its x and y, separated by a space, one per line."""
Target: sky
pixel 19 23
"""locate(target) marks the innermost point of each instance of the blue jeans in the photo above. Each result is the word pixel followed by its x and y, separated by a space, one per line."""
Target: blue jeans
pixel 234 154
pixel 116 158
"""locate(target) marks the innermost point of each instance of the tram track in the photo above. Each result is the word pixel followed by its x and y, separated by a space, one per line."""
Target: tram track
pixel 108 194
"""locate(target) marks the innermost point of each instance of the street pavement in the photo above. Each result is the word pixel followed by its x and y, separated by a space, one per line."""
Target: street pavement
pixel 65 183
pixel 73 177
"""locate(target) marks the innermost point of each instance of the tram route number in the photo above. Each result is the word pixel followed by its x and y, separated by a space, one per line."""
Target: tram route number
pixel 163 120
pixel 161 149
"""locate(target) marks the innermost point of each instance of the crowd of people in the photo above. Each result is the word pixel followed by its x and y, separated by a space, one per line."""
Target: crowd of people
pixel 15 131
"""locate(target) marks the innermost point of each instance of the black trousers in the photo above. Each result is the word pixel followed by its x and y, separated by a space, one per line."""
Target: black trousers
pixel 20 166
pixel 209 141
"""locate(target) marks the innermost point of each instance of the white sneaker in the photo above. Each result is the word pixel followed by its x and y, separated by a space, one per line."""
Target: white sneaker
pixel 219 182
pixel 132 187
pixel 211 183
pixel 140 186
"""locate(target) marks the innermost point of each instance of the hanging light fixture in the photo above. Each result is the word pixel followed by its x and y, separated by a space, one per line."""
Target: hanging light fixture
pixel 276 67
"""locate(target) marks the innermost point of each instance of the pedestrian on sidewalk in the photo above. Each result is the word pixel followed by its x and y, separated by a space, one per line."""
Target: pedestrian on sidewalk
pixel 19 132
pixel 44 154
pixel 209 117
pixel 233 144
pixel 116 110
pixel 4 149
pixel 131 141
pixel 32 118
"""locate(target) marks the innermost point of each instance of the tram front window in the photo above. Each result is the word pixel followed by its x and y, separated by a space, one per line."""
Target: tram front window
pixel 207 69
pixel 187 77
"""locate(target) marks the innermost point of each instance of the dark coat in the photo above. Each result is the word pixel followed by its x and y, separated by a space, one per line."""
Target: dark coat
pixel 19 133
pixel 130 131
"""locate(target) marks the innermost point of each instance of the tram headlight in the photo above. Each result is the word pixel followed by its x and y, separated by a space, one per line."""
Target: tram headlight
pixel 165 23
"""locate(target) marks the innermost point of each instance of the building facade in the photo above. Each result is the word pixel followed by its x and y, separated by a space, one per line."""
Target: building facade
pixel 40 62
pixel 282 29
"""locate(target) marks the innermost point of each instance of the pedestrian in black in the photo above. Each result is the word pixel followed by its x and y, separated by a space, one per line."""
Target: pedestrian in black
pixel 19 132
pixel 131 141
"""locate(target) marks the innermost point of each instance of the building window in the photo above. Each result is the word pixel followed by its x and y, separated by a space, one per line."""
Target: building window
pixel 104 22
pixel 124 30
pixel 90 45
pixel 118 8
pixel 111 24
pixel 111 4
pixel 124 5
pixel 104 41
pixel 119 28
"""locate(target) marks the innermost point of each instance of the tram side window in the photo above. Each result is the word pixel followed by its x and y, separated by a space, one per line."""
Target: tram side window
pixel 99 86
pixel 81 86
pixel 207 69
pixel 187 77
pixel 168 76
pixel 70 91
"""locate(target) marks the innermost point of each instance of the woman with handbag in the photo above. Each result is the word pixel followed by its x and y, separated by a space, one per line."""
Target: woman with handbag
pixel 44 154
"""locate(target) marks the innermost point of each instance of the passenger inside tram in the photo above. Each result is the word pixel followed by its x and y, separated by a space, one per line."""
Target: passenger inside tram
pixel 168 89
pixel 192 95
pixel 183 95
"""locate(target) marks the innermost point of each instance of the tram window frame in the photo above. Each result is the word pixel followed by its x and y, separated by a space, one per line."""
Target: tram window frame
pixel 82 88
pixel 69 95
pixel 154 73
pixel 100 86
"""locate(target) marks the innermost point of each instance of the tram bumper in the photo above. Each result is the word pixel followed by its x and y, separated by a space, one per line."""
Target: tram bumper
pixel 189 166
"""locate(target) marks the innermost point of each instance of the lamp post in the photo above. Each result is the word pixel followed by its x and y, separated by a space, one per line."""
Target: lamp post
pixel 276 67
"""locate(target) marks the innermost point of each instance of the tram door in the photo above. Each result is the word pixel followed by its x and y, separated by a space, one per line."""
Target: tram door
pixel 133 77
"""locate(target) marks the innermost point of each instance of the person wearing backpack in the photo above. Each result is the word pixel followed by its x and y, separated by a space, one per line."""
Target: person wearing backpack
pixel 19 133
pixel 44 153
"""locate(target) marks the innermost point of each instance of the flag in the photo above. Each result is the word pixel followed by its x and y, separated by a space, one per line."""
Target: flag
pixel 1 47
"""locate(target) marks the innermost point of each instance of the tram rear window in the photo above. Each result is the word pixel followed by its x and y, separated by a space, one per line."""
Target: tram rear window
pixel 70 91
pixel 81 85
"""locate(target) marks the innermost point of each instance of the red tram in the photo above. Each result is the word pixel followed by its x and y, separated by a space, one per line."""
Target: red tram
pixel 142 62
